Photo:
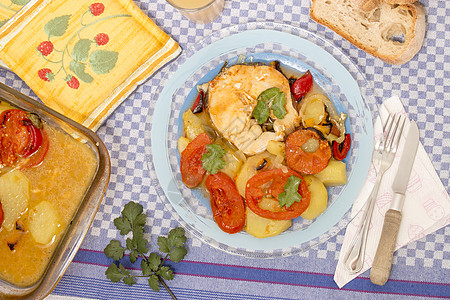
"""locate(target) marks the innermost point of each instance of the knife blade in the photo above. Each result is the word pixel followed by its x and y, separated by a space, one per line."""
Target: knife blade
pixel 404 168
pixel 382 263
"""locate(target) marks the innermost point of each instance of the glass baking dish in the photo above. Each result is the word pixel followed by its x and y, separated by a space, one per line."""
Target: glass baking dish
pixel 72 237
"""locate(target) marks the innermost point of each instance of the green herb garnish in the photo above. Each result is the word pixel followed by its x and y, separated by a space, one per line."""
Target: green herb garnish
pixel 290 194
pixel 278 106
pixel 261 112
pixel 213 159
pixel 152 265
pixel 271 99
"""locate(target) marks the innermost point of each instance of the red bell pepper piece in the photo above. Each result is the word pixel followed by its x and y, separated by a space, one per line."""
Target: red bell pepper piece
pixel 302 86
pixel 340 150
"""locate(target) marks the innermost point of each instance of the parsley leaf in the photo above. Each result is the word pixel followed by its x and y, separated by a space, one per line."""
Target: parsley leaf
pixel 114 250
pixel 113 273
pixel 271 99
pixel 177 237
pixel 278 106
pixel 123 225
pixel 178 254
pixel 164 244
pixel 131 217
pixel 290 194
pixel 131 211
pixel 134 255
pixel 152 265
pixel 213 159
pixel 261 112
pixel 146 267
pixel 173 244
pixel 154 261
pixel 129 280
pixel 166 273
pixel 268 95
pixel 153 282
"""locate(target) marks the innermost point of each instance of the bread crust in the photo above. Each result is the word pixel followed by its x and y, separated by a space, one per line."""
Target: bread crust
pixel 400 2
pixel 417 41
pixel 398 53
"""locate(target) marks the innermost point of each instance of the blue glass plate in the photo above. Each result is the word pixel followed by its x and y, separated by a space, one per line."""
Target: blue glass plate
pixel 297 50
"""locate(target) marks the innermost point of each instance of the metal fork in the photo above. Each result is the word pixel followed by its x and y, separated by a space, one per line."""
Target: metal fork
pixel 383 156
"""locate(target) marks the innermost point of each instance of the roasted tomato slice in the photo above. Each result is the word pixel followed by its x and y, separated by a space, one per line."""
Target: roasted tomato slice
pixel 19 138
pixel 1 215
pixel 38 156
pixel 226 203
pixel 191 168
pixel 340 150
pixel 270 184
pixel 307 152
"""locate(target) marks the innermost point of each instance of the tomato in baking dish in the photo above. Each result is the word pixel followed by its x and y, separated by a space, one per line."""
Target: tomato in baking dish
pixel 20 138
pixel 44 175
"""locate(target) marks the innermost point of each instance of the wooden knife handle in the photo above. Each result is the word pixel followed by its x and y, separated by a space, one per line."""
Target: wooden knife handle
pixel 382 262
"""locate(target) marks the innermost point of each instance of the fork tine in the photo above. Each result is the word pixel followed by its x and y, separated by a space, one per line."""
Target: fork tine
pixel 398 133
pixel 386 128
pixel 394 133
pixel 389 132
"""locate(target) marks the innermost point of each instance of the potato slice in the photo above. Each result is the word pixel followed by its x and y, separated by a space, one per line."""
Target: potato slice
pixel 43 222
pixel 14 195
pixel 262 227
pixel 182 143
pixel 334 174
pixel 192 125
pixel 232 164
pixel 4 106
pixel 319 198
pixel 277 148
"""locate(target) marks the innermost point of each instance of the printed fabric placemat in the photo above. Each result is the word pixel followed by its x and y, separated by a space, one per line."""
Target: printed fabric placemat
pixel 83 58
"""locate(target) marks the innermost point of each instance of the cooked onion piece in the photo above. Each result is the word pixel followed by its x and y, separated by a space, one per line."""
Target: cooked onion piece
pixel 317 111
pixel 312 110
pixel 251 166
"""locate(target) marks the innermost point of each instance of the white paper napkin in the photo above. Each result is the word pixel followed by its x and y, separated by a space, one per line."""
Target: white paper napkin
pixel 426 208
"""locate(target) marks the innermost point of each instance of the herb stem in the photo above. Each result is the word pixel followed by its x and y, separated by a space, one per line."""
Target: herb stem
pixel 165 258
pixel 167 288
pixel 143 255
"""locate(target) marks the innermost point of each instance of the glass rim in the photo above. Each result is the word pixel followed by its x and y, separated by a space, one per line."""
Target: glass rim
pixel 192 9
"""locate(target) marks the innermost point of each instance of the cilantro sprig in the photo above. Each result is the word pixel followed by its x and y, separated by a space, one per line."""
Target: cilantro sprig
pixel 271 99
pixel 213 159
pixel 290 194
pixel 152 265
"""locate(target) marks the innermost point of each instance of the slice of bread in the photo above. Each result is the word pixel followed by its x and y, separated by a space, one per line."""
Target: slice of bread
pixel 366 5
pixel 393 2
pixel 393 33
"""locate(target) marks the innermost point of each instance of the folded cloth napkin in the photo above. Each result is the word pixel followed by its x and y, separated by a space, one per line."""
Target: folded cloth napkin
pixel 426 208
pixel 83 58
pixel 8 9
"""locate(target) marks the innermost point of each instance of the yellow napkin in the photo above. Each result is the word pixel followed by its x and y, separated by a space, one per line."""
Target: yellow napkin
pixel 9 8
pixel 83 58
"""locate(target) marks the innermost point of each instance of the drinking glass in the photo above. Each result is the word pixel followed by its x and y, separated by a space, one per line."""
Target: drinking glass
pixel 199 11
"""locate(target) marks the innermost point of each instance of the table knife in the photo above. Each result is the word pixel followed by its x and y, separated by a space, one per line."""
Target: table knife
pixel 382 262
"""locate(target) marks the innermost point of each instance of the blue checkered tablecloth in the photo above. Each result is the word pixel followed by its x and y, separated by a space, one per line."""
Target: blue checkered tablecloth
pixel 421 270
